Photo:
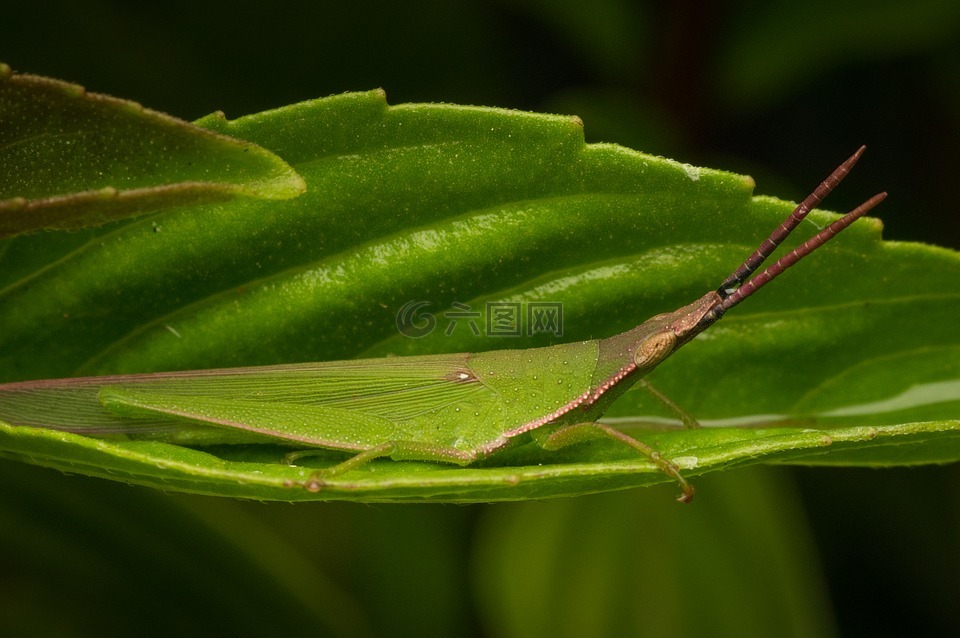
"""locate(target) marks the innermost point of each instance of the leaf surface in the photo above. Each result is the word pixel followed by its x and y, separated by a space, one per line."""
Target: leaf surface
pixel 847 359
pixel 71 159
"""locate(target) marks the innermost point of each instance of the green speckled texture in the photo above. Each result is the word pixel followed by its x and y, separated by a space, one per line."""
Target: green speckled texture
pixel 847 359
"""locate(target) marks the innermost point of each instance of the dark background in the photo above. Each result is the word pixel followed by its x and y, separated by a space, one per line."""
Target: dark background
pixel 782 91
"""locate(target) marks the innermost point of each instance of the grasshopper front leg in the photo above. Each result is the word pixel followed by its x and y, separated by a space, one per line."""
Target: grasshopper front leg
pixel 689 421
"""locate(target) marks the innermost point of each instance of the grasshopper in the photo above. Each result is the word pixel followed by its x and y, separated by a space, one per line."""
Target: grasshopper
pixel 452 408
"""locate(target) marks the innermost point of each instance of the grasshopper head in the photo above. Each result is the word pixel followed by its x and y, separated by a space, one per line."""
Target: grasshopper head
pixel 636 352
pixel 660 336
pixel 663 334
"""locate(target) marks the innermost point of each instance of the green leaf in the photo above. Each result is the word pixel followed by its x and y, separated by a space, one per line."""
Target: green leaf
pixel 846 359
pixel 257 472
pixel 70 159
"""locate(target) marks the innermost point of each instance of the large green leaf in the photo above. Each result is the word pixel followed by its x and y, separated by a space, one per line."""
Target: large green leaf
pixel 847 359
pixel 70 159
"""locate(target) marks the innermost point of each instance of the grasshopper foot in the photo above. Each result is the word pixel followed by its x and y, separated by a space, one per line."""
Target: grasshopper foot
pixel 314 484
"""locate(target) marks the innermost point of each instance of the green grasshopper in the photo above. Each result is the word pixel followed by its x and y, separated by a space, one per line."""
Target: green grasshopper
pixel 453 408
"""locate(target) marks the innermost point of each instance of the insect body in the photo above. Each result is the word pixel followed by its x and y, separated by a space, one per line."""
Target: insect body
pixel 453 408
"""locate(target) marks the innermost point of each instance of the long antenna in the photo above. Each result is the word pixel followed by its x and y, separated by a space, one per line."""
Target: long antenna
pixel 769 245
pixel 799 252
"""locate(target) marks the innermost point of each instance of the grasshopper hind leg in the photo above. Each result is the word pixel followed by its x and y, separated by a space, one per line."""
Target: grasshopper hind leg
pixel 396 450
pixel 580 432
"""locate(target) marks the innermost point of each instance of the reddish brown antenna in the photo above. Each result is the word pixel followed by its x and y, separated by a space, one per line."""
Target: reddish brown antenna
pixel 800 252
pixel 769 245
pixel 740 285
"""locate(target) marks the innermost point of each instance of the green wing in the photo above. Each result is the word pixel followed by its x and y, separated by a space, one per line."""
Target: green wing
pixel 393 388
pixel 465 402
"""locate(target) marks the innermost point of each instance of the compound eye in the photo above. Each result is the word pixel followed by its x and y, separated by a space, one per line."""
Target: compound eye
pixel 655 349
